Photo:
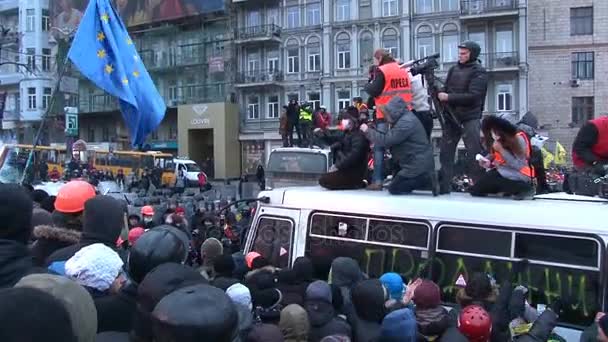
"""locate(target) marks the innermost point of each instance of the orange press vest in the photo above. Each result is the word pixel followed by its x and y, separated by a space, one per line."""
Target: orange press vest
pixel 397 82
pixel 526 170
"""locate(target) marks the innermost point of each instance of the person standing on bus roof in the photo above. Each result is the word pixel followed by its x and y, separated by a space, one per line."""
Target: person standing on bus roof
pixel 409 145
pixel 352 149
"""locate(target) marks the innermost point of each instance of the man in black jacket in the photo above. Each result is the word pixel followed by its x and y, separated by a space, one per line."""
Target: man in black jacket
pixel 293 121
pixel 352 152
pixel 464 94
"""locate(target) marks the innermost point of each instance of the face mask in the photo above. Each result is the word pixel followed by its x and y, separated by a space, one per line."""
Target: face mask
pixel 147 219
pixel 495 136
pixel 346 123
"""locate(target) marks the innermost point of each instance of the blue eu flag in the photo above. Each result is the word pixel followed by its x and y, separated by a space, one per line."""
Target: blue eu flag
pixel 105 54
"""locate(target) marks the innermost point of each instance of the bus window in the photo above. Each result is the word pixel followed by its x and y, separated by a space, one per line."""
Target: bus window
pixel 273 240
pixel 338 226
pixel 557 249
pixel 467 240
pixel 297 162
pixel 399 233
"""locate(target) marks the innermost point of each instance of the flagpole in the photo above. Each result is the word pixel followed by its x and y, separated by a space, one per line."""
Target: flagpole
pixel 45 117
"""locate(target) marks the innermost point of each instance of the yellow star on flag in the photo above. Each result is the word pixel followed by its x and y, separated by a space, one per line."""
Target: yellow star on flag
pixel 109 69
pixel 101 36
pixel 129 41
pixel 136 73
pixel 101 53
pixel 105 17
pixel 125 81
pixel 136 57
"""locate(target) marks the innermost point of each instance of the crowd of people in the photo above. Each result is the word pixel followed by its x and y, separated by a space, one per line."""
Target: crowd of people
pixel 74 268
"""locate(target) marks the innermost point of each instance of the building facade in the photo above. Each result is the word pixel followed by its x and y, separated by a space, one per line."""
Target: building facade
pixel 27 67
pixel 568 54
pixel 320 51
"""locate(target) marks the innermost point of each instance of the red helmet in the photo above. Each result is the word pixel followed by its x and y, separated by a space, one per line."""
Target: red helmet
pixel 71 196
pixel 475 324
pixel 147 210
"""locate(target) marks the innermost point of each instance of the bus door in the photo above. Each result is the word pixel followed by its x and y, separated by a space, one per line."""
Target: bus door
pixel 273 235
pixel 561 265
pixel 379 244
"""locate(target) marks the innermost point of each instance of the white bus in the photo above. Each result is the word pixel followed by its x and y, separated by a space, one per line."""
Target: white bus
pixel 446 237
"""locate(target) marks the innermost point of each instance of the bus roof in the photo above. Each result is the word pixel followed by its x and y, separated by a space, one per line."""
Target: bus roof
pixel 563 212
pixel 301 150
pixel 38 147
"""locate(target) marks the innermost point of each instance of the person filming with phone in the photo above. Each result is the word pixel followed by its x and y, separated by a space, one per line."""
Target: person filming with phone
pixel 507 164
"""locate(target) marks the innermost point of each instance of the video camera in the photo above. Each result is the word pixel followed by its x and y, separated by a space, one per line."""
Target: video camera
pixel 424 65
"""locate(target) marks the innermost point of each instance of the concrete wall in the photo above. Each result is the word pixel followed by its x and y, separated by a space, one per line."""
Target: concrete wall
pixel 222 118
pixel 550 53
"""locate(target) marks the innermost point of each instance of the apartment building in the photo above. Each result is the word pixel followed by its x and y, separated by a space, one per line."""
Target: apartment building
pixel 26 67
pixel 320 51
pixel 568 56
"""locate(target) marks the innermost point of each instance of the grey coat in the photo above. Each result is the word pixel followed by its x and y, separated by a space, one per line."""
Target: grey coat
pixel 407 140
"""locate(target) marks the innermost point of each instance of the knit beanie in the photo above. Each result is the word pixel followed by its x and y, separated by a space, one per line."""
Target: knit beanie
pixel 319 290
pixel 427 295
pixel 394 284
pixel 29 314
pixel 224 265
pixel 15 213
pixel 240 294
pixel 96 266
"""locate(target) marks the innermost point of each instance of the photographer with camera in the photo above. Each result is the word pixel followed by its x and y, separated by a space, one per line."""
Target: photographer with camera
pixel 590 149
pixel 464 93
pixel 389 80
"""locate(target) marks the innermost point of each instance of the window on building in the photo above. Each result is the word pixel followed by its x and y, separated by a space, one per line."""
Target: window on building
pixel 581 21
pixel 293 58
pixel 504 97
pixel 504 41
pixel 273 106
pixel 449 43
pixel 31 98
pixel 253 107
pixel 293 17
pixel 46 59
pixel 365 9
pixel 342 10
pixel 46 21
pixel 273 16
pixel 313 14
pixel 315 100
pixel 343 99
pixel 582 65
pixel 424 41
pixel 46 97
pixel 173 132
pixel 273 65
pixel 366 48
pixel 105 133
pixel 583 109
pixel 253 65
pixel 314 54
pixel 254 19
pixel 448 5
pixel 389 8
pixel 91 134
pixel 31 58
pixel 343 45
pixel 173 90
pixel 30 20
pixel 424 6
pixel 390 42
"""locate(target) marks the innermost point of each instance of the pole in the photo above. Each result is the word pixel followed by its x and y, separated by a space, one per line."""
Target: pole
pixel 60 74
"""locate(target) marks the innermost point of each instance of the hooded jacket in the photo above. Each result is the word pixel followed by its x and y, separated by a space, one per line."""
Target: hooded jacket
pixel 50 239
pixel 102 223
pixel 369 297
pixel 321 313
pixel 15 263
pixel 399 326
pixel 294 324
pixel 466 85
pixel 345 273
pixel 407 140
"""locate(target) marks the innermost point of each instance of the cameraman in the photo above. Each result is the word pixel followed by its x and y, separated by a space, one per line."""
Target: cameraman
pixel 590 149
pixel 389 80
pixel 464 93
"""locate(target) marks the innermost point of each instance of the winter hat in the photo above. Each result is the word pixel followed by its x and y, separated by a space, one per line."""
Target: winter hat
pixel 240 294
pixel 135 234
pixel 319 290
pixel 48 204
pixel 399 326
pixel 195 313
pixel 39 195
pixel 394 284
pixel 345 272
pixel 224 265
pixel 250 257
pixel 304 269
pixel 294 323
pixel 96 266
pixel 210 249
pixel 15 213
pixel 479 286
pixel 427 295
pixel 262 280
pixel 28 314
pixel 180 210
pixel 74 298
pixel 603 324
pixel 103 219
pixel 41 217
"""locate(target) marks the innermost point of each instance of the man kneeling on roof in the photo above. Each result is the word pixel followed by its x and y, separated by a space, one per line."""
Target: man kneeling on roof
pixel 409 146
pixel 508 162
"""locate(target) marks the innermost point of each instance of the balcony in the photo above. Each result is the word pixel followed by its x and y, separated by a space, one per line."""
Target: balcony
pixel 500 61
pixel 259 78
pixel 258 125
pixel 98 104
pixel 196 93
pixel 182 56
pixel 257 34
pixel 478 9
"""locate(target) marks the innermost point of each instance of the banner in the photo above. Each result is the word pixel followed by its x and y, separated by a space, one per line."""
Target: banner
pixel 66 14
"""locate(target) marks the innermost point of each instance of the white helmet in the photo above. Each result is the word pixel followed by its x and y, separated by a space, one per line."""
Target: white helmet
pixel 323 107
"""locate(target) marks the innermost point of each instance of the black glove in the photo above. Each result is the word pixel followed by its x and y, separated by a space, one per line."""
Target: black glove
pixel 557 306
pixel 517 304
pixel 599 169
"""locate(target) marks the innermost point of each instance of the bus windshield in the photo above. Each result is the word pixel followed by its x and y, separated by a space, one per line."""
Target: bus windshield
pixel 297 162
pixel 13 165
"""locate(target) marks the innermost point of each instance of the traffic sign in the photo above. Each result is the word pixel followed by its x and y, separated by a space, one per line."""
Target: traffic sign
pixel 71 121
